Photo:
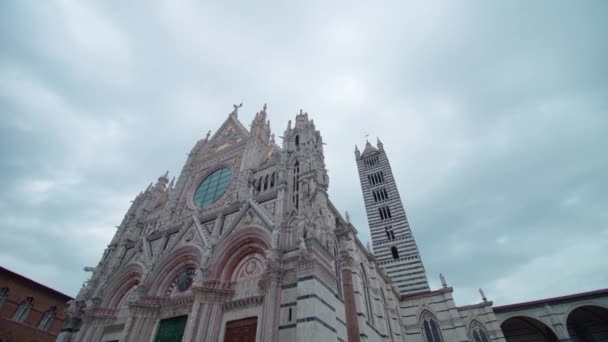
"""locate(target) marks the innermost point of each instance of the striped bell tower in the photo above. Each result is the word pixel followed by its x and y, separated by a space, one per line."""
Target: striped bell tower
pixel 393 243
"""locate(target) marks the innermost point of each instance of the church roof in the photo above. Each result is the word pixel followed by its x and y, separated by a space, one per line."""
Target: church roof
pixel 369 149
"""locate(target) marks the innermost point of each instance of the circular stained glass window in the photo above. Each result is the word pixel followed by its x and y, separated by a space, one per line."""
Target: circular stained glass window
pixel 212 187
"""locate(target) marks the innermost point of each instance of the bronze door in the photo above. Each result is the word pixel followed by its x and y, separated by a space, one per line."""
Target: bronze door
pixel 242 330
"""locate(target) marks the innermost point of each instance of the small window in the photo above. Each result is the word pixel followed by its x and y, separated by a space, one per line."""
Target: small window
pixel 390 233
pixel 23 310
pixel 395 252
pixel 47 319
pixel 3 295
pixel 297 140
pixel 289 320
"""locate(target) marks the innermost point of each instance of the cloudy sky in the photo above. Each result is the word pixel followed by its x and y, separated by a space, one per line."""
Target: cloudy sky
pixel 494 116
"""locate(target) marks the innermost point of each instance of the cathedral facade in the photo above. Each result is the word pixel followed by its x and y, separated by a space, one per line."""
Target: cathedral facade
pixel 247 246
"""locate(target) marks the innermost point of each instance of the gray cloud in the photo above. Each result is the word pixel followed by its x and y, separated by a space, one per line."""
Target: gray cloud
pixel 494 117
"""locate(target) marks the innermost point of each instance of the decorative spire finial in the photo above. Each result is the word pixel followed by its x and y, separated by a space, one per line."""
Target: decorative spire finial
pixel 347 216
pixel 235 112
pixel 483 295
pixel 264 108
pixel 443 282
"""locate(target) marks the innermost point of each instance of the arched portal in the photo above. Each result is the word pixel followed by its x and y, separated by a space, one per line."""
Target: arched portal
pixel 588 323
pixel 522 328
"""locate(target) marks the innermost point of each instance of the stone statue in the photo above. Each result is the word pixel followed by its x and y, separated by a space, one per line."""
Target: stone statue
pixel 347 216
pixel 205 257
pixel 236 109
pixel 303 248
pixel 275 238
pixel 199 277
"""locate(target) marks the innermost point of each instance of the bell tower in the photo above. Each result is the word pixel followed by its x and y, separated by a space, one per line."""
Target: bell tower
pixel 393 243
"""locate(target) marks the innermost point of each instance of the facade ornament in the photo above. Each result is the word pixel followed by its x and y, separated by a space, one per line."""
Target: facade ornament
pixel 347 215
pixel 443 282
pixel 275 238
pixel 205 257
pixel 138 292
pixel 235 112
pixel 304 252
pixel 200 276
pixel 483 295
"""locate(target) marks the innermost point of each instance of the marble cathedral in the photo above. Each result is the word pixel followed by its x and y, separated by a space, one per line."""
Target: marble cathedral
pixel 247 246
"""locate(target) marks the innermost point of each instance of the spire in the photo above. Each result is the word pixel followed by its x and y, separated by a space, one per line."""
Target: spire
pixel 369 148
pixel 483 295
pixel 443 282
pixel 379 144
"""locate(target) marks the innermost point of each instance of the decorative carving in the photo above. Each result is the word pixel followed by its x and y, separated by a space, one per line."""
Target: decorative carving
pixel 200 276
pixel 205 256
pixel 303 249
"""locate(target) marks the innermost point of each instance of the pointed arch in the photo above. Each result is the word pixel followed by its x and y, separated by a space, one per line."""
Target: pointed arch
pixel 120 284
pixel 478 332
pixel 171 266
pixel 229 252
pixel 430 327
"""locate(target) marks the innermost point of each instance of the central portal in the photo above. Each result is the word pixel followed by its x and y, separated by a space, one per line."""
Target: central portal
pixel 242 330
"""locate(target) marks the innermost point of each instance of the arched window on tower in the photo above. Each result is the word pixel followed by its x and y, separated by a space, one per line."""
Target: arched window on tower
pixel 272 180
pixel 390 233
pixel 395 252
pixel 477 332
pixel 266 183
pixel 23 310
pixel 47 319
pixel 297 140
pixel 430 327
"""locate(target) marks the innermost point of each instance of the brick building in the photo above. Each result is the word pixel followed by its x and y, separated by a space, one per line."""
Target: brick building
pixel 29 311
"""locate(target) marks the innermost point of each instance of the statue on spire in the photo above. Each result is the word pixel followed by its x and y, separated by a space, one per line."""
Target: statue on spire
pixel 235 112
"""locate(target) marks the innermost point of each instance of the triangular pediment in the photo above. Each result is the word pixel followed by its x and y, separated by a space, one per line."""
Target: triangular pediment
pixel 231 133
pixel 250 214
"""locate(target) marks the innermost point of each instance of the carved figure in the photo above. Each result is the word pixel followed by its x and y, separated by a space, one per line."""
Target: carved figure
pixel 205 257
pixel 275 238
pixel 236 108
pixel 303 248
